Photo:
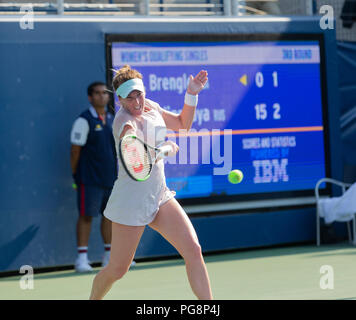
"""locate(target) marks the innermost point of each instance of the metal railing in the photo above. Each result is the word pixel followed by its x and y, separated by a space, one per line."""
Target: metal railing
pixel 161 7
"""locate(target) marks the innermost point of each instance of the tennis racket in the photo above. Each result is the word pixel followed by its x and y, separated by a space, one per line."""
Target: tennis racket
pixel 138 157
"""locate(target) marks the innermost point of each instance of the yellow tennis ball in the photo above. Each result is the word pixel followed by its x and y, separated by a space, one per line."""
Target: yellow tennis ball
pixel 235 176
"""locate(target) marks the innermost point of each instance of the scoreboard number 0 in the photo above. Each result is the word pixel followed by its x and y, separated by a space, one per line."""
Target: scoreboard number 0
pixel 259 79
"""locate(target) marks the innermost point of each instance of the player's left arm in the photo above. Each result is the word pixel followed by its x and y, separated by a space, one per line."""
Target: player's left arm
pixel 184 120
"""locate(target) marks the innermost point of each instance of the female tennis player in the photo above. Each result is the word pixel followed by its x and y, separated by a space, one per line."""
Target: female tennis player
pixel 133 205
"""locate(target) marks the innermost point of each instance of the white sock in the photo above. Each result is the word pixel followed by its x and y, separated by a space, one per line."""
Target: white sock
pixel 107 248
pixel 83 253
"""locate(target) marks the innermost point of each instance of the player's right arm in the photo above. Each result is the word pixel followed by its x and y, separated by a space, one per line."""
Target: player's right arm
pixel 128 129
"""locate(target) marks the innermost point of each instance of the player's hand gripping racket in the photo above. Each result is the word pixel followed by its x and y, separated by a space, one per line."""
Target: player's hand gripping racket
pixel 138 157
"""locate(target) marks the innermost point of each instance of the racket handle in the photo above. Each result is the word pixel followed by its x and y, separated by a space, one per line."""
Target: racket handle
pixel 165 150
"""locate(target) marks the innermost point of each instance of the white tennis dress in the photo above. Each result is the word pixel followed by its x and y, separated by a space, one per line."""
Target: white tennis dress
pixel 136 203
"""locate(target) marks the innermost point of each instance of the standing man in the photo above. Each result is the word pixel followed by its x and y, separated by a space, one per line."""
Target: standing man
pixel 94 168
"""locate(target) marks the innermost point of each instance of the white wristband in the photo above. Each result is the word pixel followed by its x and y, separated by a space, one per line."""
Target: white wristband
pixel 191 100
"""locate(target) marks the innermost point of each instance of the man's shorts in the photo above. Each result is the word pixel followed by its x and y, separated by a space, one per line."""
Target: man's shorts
pixel 92 200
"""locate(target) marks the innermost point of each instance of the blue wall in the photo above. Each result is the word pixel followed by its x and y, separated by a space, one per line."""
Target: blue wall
pixel 44 73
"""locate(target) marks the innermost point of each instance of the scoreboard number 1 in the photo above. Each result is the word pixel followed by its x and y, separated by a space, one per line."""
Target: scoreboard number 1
pixel 275 79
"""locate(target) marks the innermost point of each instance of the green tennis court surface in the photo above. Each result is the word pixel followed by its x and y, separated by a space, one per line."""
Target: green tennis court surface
pixel 277 273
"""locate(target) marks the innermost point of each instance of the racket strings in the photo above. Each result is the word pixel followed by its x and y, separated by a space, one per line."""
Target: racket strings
pixel 136 158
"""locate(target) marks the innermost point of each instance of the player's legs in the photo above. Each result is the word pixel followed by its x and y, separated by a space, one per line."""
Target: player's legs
pixel 105 228
pixel 124 242
pixel 174 225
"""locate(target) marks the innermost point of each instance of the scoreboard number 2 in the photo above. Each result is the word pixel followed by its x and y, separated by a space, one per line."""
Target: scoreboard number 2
pixel 276 114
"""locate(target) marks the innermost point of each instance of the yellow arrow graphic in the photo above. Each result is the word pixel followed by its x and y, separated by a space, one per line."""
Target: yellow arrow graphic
pixel 243 80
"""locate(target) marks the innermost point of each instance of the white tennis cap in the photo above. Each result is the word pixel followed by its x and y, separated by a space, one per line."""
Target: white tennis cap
pixel 128 86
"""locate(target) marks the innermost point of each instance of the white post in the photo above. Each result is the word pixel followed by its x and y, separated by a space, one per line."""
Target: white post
pixel 239 8
pixel 60 7
pixel 234 7
pixel 309 7
pixel 227 7
pixel 147 7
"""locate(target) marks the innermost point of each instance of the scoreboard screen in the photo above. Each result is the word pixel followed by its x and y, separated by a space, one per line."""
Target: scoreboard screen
pixel 263 111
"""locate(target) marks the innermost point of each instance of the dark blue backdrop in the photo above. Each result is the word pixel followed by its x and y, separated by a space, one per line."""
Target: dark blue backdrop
pixel 43 80
pixel 347 70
